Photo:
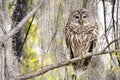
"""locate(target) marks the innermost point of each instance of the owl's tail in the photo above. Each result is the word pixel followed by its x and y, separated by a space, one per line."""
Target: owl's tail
pixel 81 66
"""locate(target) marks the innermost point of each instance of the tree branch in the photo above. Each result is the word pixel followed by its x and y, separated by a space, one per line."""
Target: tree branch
pixel 19 26
pixel 57 65
pixel 104 12
pixel 111 43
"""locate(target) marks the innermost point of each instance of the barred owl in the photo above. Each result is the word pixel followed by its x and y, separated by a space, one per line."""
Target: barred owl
pixel 81 34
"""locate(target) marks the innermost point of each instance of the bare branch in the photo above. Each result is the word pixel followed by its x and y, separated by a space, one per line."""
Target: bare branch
pixel 113 10
pixel 54 66
pixel 57 65
pixel 111 43
pixel 104 10
pixel 4 6
pixel 16 29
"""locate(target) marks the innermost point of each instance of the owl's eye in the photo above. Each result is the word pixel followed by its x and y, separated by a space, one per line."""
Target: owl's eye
pixel 84 16
pixel 76 17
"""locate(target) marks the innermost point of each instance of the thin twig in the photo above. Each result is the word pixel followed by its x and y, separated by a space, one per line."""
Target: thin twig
pixel 27 33
pixel 105 22
pixel 111 43
pixel 113 15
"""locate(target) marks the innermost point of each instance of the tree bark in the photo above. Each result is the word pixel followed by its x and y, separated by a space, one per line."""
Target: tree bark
pixel 2 45
pixel 9 65
pixel 2 63
pixel 18 14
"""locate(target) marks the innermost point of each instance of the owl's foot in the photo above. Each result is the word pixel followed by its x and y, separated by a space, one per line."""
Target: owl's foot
pixel 81 56
pixel 85 67
pixel 68 59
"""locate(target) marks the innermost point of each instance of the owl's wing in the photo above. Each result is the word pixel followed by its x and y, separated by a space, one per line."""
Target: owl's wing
pixel 92 45
pixel 93 42
pixel 71 53
pixel 69 47
pixel 67 34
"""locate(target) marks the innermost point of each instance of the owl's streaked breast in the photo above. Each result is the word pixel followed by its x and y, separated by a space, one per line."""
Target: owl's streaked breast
pixel 81 34
pixel 79 38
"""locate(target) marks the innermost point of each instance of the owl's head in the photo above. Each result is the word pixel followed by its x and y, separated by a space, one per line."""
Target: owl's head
pixel 81 17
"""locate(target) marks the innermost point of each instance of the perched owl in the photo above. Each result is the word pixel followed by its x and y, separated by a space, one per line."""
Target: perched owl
pixel 81 34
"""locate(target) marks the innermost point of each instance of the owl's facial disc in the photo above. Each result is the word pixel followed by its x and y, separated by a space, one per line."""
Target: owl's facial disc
pixel 76 19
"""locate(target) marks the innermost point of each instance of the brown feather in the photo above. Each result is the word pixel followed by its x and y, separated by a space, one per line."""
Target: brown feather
pixel 81 39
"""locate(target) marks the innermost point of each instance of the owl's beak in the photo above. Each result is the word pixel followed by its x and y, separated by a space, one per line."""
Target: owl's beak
pixel 81 22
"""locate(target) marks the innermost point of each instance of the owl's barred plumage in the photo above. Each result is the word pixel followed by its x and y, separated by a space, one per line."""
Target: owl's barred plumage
pixel 81 34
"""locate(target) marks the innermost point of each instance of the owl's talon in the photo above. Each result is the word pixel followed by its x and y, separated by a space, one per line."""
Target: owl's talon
pixel 81 56
pixel 68 59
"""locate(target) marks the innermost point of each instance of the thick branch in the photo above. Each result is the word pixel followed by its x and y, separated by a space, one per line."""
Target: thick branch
pixel 54 66
pixel 19 26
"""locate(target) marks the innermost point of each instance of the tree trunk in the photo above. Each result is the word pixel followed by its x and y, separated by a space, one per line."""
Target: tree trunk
pixel 2 63
pixel 2 46
pixel 9 64
pixel 3 24
pixel 18 14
